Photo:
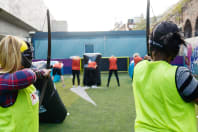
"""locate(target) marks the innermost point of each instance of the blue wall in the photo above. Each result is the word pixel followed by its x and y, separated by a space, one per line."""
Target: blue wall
pixel 66 44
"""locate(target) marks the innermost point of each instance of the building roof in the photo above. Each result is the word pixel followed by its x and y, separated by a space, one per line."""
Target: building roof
pixel 16 21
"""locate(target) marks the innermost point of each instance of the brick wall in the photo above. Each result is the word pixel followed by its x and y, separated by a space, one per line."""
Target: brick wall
pixel 189 12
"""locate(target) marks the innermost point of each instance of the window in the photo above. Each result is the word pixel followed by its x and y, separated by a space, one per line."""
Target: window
pixel 89 48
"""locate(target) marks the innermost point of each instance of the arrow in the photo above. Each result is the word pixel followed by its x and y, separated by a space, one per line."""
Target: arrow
pixel 83 94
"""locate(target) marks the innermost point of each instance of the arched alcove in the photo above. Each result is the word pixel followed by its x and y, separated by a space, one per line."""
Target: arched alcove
pixel 188 29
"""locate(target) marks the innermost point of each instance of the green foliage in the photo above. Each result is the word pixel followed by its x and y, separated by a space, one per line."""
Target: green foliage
pixel 142 24
pixel 179 6
pixel 177 9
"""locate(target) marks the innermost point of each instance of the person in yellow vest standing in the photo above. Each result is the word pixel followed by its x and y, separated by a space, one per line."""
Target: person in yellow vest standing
pixel 18 98
pixel 113 68
pixel 165 95
pixel 76 69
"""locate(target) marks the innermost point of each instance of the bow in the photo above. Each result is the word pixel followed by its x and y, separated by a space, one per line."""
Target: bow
pixel 49 40
pixel 148 26
pixel 48 57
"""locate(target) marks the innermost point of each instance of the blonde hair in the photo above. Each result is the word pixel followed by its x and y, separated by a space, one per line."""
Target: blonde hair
pixel 10 55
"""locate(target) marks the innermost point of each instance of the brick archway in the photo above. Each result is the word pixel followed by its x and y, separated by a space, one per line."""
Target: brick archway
pixel 187 29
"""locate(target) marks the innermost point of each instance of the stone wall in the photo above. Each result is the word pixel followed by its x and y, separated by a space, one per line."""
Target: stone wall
pixel 188 12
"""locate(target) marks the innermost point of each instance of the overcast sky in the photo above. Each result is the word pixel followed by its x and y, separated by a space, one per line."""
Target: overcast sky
pixel 100 15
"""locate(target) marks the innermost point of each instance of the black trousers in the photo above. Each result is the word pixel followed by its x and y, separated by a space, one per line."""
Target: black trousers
pixel 56 71
pixel 76 73
pixel 109 78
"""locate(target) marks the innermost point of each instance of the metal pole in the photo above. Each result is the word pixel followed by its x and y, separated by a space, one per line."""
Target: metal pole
pixel 148 26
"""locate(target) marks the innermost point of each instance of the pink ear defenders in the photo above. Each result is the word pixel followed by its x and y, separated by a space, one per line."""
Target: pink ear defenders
pixel 26 54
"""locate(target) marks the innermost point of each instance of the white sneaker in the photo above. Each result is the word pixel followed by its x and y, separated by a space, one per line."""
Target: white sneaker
pixel 94 86
pixel 86 87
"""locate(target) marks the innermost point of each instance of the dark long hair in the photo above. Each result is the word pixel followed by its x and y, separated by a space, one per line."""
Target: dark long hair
pixel 166 38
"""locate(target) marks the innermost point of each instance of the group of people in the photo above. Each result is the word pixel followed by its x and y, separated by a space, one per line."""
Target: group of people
pixel 76 69
pixel 57 70
pixel 165 95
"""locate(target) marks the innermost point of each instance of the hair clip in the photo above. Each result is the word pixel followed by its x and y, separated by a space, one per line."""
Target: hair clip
pixel 155 44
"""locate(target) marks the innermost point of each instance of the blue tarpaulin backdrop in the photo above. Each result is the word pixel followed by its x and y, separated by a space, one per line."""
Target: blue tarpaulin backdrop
pixel 66 44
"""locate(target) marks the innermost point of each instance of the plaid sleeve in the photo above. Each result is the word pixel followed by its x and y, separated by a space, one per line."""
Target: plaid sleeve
pixel 13 81
pixel 187 84
pixel 39 73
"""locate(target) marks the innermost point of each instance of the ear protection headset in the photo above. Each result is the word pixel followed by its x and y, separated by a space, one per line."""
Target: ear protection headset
pixel 26 54
pixel 153 43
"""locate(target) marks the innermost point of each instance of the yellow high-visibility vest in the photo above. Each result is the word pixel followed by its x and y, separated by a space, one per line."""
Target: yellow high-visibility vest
pixel 159 107
pixel 23 115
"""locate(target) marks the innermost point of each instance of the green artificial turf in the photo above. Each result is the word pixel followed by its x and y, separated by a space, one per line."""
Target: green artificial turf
pixel 114 111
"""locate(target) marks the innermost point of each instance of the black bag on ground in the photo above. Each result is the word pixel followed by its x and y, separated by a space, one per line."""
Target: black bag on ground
pixel 91 76
pixel 52 109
